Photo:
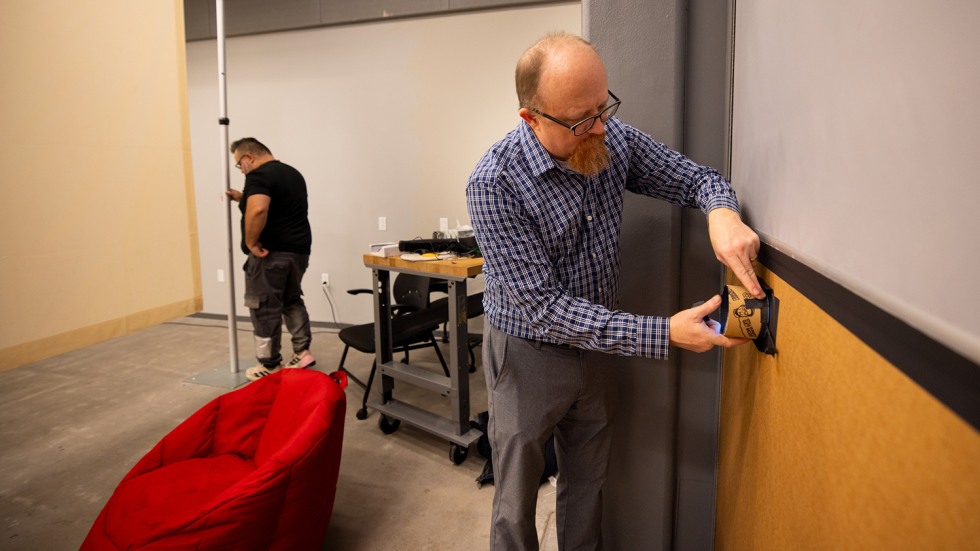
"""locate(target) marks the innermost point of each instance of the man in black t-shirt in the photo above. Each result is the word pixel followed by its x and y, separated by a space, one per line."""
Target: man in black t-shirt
pixel 276 237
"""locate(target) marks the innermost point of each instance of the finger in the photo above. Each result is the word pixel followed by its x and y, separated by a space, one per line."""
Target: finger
pixel 732 343
pixel 729 342
pixel 746 275
pixel 706 307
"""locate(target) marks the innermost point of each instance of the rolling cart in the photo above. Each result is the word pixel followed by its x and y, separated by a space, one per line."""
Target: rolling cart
pixel 456 429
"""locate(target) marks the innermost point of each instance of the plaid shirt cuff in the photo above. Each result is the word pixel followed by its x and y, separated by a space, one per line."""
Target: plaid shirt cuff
pixel 653 337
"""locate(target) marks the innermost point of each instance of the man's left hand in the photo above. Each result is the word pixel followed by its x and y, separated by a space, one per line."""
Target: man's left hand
pixel 691 330
pixel 736 246
pixel 258 250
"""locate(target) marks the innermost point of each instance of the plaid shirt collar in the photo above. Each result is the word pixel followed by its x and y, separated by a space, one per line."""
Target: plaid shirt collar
pixel 538 158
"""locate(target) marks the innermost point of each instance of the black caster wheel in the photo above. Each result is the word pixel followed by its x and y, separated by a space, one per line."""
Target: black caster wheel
pixel 361 414
pixel 388 425
pixel 457 453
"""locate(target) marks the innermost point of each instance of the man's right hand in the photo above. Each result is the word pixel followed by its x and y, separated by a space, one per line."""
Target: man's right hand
pixel 690 331
pixel 235 195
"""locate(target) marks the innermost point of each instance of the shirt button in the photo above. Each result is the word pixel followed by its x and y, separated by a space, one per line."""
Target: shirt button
pixel 595 255
pixel 589 218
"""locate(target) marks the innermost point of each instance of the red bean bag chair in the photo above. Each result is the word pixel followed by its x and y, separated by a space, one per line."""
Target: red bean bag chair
pixel 255 468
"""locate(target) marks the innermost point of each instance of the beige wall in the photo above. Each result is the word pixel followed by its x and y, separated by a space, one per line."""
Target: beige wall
pixel 97 215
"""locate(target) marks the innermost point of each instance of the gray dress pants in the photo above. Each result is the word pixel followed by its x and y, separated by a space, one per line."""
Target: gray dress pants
pixel 536 389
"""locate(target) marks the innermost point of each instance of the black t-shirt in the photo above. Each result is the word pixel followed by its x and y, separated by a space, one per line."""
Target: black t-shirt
pixel 287 227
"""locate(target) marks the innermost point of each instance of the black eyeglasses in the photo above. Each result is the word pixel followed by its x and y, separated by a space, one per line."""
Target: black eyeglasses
pixel 238 165
pixel 584 125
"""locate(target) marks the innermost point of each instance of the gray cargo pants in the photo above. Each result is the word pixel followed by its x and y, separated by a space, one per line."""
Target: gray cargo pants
pixel 272 294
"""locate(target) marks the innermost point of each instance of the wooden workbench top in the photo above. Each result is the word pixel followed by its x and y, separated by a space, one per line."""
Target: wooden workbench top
pixel 460 267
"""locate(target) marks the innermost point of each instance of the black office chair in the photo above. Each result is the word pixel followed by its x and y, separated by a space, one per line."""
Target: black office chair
pixel 413 324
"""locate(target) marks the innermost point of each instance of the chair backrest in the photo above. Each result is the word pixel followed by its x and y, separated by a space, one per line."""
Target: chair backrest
pixel 411 290
pixel 304 397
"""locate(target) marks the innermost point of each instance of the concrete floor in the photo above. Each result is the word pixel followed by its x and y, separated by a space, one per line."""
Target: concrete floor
pixel 73 425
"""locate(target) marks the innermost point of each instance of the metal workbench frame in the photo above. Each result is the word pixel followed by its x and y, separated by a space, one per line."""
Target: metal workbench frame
pixel 456 429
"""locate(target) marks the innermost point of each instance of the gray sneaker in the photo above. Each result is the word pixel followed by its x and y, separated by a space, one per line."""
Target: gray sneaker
pixel 301 359
pixel 259 371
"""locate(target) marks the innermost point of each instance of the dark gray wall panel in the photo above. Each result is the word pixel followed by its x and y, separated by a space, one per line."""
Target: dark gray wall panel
pixel 639 42
pixel 199 19
pixel 639 492
pixel 481 4
pixel 347 11
pixel 695 529
pixel 258 16
pixel 707 99
pixel 668 61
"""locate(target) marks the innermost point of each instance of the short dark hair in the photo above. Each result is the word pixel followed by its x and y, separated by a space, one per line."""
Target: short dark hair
pixel 250 145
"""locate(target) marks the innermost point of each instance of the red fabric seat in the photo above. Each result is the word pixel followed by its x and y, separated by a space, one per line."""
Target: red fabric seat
pixel 255 468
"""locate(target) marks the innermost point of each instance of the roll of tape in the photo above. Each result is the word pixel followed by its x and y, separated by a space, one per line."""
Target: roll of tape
pixel 742 314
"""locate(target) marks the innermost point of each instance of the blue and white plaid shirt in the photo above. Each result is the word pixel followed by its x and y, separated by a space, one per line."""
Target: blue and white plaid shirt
pixel 550 237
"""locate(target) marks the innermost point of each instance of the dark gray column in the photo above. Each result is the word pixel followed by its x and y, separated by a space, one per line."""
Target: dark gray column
pixel 669 62
pixel 641 44
pixel 707 131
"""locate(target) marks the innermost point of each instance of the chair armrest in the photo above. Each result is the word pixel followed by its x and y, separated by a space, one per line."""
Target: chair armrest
pixel 402 309
pixel 396 309
pixel 191 438
pixel 359 291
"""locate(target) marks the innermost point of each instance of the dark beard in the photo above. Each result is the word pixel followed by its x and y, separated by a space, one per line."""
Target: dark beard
pixel 591 156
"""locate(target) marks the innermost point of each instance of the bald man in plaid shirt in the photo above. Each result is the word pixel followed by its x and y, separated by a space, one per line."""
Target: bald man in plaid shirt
pixel 546 205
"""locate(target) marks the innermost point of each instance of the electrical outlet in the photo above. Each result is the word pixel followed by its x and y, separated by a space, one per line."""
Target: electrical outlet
pixel 221 276
pixel 382 223
pixel 443 224
pixel 325 280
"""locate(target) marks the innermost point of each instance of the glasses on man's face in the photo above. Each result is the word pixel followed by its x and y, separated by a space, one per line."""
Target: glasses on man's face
pixel 584 125
pixel 238 165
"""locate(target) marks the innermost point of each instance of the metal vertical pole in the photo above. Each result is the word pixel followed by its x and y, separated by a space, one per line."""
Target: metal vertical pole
pixel 226 178
pixel 219 376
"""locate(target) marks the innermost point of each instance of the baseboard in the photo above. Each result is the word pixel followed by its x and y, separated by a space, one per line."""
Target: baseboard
pixel 47 347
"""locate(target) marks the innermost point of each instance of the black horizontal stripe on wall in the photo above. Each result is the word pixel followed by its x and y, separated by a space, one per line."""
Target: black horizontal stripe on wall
pixel 952 378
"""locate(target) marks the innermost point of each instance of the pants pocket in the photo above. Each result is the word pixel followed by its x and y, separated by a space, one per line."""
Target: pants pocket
pixel 249 266
pixel 254 301
pixel 496 366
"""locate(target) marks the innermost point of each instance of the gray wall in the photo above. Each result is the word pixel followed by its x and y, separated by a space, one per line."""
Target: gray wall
pixel 867 115
pixel 669 62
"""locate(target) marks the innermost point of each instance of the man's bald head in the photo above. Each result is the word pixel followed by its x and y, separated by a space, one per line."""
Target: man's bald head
pixel 553 56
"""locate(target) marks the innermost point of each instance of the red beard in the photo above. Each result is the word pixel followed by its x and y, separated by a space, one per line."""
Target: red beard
pixel 590 156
